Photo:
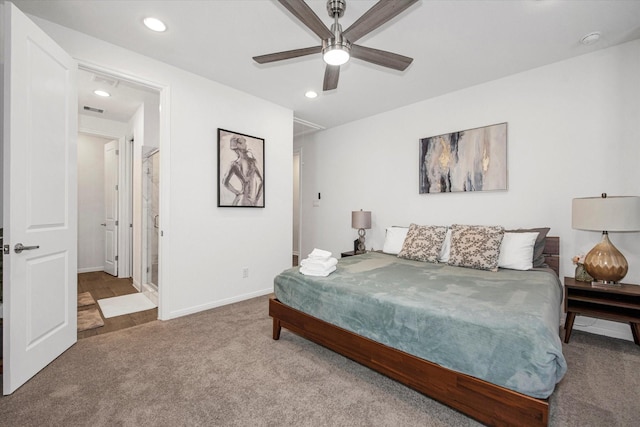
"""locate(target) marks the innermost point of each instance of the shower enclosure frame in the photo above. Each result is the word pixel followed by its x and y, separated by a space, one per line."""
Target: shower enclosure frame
pixel 150 222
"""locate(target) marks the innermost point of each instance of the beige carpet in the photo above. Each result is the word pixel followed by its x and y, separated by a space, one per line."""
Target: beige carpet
pixel 89 319
pixel 85 299
pixel 221 368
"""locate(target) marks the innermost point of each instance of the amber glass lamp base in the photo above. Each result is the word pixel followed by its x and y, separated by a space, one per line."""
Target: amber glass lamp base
pixel 605 263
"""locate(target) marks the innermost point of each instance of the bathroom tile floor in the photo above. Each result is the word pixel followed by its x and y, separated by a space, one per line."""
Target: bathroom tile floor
pixel 102 285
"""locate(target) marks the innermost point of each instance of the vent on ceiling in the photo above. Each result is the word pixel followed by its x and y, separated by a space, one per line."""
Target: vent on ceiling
pixel 105 80
pixel 94 110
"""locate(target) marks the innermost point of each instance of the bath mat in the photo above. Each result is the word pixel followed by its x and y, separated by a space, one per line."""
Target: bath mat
pixel 89 319
pixel 125 304
pixel 85 299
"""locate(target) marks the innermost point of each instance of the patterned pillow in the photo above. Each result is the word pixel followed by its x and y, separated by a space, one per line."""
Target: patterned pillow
pixel 423 243
pixel 476 246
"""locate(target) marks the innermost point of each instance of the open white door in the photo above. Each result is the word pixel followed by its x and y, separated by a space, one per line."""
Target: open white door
pixel 40 199
pixel 111 207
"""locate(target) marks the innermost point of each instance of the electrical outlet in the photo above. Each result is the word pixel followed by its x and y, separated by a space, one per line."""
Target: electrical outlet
pixel 245 272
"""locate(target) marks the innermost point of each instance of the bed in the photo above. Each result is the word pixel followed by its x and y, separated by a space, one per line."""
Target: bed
pixel 427 326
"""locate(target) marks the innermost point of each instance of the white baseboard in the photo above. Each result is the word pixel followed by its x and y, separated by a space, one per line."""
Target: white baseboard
pixel 90 269
pixel 214 304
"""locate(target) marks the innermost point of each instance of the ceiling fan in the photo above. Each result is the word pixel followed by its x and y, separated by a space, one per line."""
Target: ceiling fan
pixel 337 45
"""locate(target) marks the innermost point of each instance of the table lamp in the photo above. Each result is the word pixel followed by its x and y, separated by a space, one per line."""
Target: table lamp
pixel 605 263
pixel 361 220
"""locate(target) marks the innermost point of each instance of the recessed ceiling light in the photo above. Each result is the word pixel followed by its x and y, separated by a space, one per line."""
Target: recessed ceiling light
pixel 155 24
pixel 590 38
pixel 311 94
pixel 102 93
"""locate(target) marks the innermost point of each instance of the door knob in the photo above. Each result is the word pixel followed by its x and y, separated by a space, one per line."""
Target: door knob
pixel 104 224
pixel 20 247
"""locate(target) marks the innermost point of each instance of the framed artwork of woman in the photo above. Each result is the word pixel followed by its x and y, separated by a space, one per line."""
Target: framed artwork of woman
pixel 240 170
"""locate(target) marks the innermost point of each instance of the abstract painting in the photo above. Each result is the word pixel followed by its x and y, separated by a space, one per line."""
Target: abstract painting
pixel 468 160
pixel 240 170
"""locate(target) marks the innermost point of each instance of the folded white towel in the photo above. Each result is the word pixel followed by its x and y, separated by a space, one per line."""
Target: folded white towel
pixel 324 273
pixel 320 254
pixel 315 264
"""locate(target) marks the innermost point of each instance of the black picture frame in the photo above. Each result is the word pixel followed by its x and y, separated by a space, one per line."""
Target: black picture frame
pixel 241 182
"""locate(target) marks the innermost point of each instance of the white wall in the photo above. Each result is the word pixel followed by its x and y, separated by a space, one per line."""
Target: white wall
pixel 573 131
pixel 90 203
pixel 2 119
pixel 102 127
pixel 296 203
pixel 205 248
pixel 137 129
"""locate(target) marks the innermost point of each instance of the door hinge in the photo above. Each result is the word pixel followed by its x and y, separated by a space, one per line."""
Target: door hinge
pixel 6 250
pixel 117 152
pixel 116 223
pixel 116 257
pixel 116 187
pixel 147 269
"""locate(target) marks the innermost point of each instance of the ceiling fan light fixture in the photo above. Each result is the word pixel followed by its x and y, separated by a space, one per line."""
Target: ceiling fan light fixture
pixel 335 56
pixel 336 53
pixel 337 46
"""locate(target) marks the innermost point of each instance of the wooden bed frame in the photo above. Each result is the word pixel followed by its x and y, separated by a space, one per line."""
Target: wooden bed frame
pixel 486 402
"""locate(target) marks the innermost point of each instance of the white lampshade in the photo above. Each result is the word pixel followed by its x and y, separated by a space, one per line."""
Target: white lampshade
pixel 361 219
pixel 606 213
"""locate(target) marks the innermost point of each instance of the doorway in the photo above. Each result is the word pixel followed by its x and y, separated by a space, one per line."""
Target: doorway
pixel 97 246
pixel 131 113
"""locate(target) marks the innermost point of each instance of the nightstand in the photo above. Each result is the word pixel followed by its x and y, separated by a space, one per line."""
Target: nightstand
pixel 351 253
pixel 620 303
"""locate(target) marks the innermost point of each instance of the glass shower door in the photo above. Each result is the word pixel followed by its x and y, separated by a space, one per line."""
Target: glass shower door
pixel 152 202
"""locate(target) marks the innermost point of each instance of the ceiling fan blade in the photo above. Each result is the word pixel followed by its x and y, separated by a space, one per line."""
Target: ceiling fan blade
pixel 331 75
pixel 380 13
pixel 381 57
pixel 288 54
pixel 303 12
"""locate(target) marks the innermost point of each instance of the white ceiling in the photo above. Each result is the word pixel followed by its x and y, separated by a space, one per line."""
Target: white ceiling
pixel 455 44
pixel 125 99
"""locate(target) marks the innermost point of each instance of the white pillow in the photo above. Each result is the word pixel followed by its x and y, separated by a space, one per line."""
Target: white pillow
pixel 446 248
pixel 393 240
pixel 516 251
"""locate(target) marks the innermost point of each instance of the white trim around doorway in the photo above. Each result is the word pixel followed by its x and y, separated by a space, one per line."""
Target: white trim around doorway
pixel 164 145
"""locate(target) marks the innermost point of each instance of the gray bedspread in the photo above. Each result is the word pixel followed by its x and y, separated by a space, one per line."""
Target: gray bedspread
pixel 501 327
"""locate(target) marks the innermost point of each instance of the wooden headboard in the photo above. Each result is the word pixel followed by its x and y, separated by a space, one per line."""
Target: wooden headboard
pixel 552 253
